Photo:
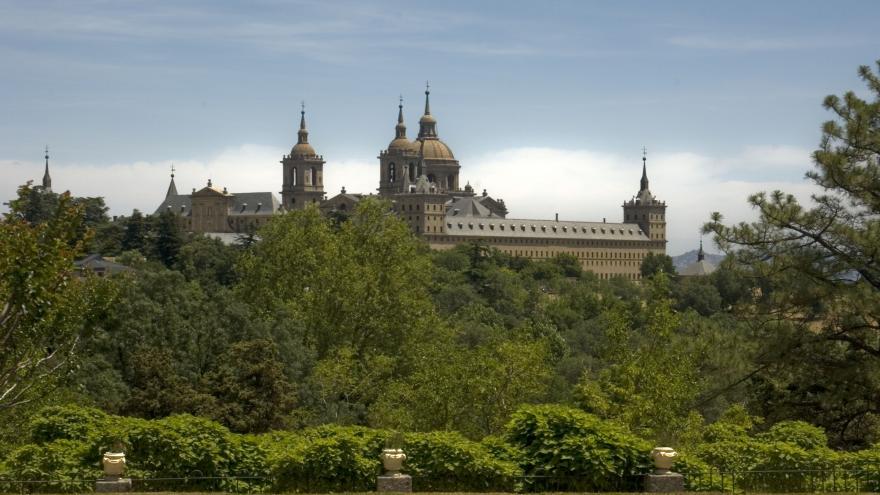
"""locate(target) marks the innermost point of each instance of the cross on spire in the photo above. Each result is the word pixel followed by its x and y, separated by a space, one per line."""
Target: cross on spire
pixel 644 153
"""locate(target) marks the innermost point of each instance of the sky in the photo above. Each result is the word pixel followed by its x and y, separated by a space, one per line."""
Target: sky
pixel 547 105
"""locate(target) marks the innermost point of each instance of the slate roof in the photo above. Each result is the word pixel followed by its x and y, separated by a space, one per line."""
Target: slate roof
pixel 250 203
pixel 179 203
pixel 98 264
pixel 546 229
pixel 243 204
pixel 468 206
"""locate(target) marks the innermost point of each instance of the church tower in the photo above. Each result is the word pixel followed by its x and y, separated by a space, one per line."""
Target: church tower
pixel 438 163
pixel 303 181
pixel 399 164
pixel 645 210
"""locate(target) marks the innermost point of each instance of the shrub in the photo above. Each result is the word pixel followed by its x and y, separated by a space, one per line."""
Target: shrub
pixel 66 422
pixel 578 450
pixel 327 458
pixel 60 466
pixel 804 435
pixel 447 461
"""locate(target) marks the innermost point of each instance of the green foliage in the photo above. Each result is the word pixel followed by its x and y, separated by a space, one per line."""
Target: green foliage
pixel 656 263
pixel 646 365
pixel 66 422
pixel 44 312
pixel 558 441
pixel 446 461
pixel 249 390
pixel 800 433
pixel 169 238
pixel 819 268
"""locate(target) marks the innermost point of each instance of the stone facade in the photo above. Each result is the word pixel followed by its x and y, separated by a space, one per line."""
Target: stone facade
pixel 420 178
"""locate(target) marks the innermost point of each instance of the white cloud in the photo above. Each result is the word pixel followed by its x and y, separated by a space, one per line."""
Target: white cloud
pixel 534 182
pixel 586 185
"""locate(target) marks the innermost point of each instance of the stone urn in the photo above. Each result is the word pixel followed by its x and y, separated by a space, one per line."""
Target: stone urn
pixel 114 464
pixel 392 460
pixel 663 458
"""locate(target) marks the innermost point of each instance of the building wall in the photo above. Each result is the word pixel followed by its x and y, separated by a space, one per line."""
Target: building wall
pixel 605 258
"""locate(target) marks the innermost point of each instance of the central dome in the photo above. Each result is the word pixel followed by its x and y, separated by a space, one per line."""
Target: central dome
pixel 434 149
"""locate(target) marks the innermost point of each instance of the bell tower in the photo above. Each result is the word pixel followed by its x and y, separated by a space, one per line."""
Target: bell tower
pixel 398 163
pixel 645 210
pixel 303 181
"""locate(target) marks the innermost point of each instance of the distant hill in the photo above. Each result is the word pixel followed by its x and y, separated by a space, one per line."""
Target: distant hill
pixel 685 259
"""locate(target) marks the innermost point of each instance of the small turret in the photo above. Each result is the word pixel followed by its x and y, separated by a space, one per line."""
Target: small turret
pixel 47 179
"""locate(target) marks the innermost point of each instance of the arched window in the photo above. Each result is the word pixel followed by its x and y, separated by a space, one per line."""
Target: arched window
pixel 449 182
pixel 308 178
pixel 431 178
pixel 293 177
pixel 392 172
pixel 412 171
pixel 315 181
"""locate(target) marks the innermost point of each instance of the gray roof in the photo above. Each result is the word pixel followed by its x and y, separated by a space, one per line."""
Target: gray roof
pixel 179 203
pixel 547 229
pixel 243 204
pixel 254 203
pixel 97 263
pixel 468 206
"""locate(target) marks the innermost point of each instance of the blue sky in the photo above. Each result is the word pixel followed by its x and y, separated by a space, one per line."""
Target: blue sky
pixel 546 104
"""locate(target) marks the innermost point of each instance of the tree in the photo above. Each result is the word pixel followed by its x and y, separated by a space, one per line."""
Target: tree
pixel 364 286
pixel 647 365
pixel 169 239
pixel 655 263
pixel 819 272
pixel 251 393
pixel 136 233
pixel 44 312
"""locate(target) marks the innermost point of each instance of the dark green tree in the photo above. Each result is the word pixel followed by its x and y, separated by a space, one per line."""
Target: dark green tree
pixel 168 239
pixel 35 204
pixel 136 237
pixel 655 263
pixel 818 270
pixel 250 391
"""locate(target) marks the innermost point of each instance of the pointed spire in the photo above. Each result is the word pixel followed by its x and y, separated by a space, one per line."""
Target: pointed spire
pixel 644 182
pixel 427 124
pixel 700 255
pixel 172 188
pixel 47 180
pixel 400 128
pixel 303 134
pixel 427 98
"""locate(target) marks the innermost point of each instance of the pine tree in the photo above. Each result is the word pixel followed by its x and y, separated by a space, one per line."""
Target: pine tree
pixel 818 269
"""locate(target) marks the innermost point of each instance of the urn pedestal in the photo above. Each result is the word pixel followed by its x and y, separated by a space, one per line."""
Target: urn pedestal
pixel 663 480
pixel 114 468
pixel 393 480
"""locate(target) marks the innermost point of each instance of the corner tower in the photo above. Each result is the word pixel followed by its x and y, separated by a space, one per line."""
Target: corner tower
pixel 303 169
pixel 645 210
pixel 399 164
